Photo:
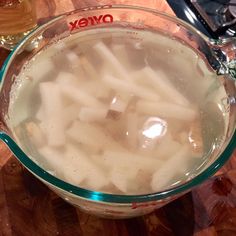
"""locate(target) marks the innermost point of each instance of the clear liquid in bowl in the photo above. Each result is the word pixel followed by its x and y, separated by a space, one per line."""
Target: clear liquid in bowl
pixel 119 111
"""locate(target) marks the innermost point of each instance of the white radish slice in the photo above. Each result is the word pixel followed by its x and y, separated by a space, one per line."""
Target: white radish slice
pixel 123 86
pixel 120 52
pixel 161 83
pixel 119 103
pixel 195 138
pixel 72 57
pixel 95 178
pixel 40 114
pixel 41 69
pixel 167 147
pixel 64 78
pixel 110 58
pixel 35 133
pixel 88 67
pixel 52 107
pixel 121 177
pixel 56 160
pixel 132 129
pixel 166 110
pixel 70 113
pixel 96 88
pixel 170 168
pixel 91 135
pixel 25 86
pixel 81 97
pixel 88 114
pixel 125 159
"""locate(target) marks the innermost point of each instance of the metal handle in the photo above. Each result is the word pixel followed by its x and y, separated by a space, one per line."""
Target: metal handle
pixel 225 52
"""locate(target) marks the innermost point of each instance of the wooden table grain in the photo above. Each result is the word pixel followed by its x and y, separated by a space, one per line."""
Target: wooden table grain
pixel 29 208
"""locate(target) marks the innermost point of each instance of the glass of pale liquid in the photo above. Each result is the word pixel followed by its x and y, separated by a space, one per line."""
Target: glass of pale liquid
pixel 17 19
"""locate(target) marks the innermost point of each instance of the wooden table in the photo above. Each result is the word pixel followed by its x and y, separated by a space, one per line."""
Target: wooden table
pixel 28 208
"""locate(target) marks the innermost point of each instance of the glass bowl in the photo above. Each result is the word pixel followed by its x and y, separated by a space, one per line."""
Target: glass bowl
pixel 218 56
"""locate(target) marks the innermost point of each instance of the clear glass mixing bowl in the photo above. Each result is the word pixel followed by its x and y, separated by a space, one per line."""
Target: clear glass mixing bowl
pixel 218 55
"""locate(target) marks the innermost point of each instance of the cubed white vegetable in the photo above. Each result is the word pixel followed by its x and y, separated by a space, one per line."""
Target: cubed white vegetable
pixel 119 180
pixel 167 147
pixel 81 97
pixel 41 69
pixel 40 114
pixel 160 82
pixel 95 178
pixel 119 103
pixel 96 88
pixel 72 57
pixel 59 164
pixel 35 133
pixel 123 86
pixel 88 67
pixel 91 135
pixel 166 110
pixel 64 78
pixel 120 52
pixel 88 114
pixel 52 107
pixel 170 168
pixel 121 177
pixel 110 58
pixel 195 138
pixel 70 113
pixel 125 159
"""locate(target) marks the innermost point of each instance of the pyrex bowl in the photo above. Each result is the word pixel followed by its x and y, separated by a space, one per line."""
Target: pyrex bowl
pixel 218 55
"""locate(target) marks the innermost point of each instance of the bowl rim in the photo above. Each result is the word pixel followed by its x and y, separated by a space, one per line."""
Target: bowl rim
pixel 101 196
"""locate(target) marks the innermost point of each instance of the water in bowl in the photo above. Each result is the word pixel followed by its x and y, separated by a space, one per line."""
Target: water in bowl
pixel 119 111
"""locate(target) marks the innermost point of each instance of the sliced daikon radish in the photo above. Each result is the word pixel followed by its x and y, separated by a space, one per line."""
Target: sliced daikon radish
pixel 35 133
pixel 96 88
pixel 129 87
pixel 41 69
pixel 171 167
pixel 59 164
pixel 119 180
pixel 91 135
pixel 163 86
pixel 88 114
pixel 122 177
pixel 88 67
pixel 166 110
pixel 72 57
pixel 64 78
pixel 195 138
pixel 94 177
pixel 167 147
pixel 52 107
pixel 120 52
pixel 119 103
pixel 40 114
pixel 70 113
pixel 21 94
pixel 124 159
pixel 132 129
pixel 80 96
pixel 110 58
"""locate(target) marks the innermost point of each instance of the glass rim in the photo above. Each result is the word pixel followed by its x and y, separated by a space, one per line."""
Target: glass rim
pixel 101 196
